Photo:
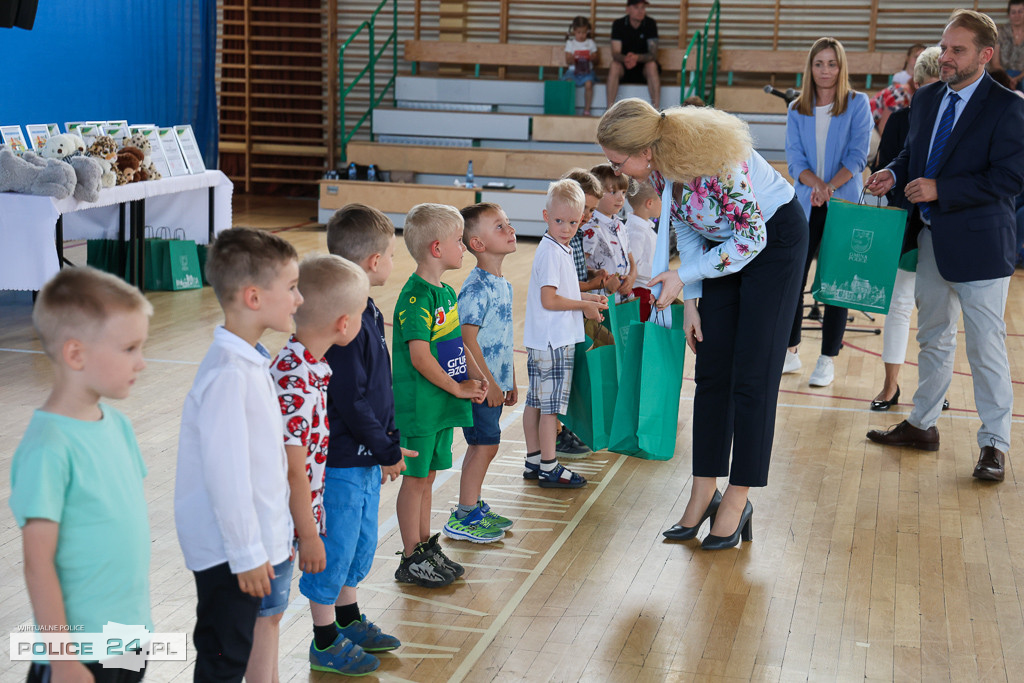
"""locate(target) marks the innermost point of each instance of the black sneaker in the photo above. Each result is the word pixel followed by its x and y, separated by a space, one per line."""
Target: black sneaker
pixel 432 546
pixel 423 569
pixel 569 446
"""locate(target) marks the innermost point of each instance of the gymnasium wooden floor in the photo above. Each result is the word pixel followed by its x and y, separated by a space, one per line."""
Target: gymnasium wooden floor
pixel 866 563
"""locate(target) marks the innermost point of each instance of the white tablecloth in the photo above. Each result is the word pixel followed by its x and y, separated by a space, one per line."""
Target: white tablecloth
pixel 28 257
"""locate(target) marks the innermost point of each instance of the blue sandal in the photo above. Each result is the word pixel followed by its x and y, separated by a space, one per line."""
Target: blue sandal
pixel 532 471
pixel 560 478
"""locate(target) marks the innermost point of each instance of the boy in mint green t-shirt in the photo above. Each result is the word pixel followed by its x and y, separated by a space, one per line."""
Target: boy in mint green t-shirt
pixel 434 382
pixel 76 477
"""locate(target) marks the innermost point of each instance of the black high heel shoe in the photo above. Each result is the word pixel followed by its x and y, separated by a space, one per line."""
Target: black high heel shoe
pixel 685 533
pixel 885 405
pixel 745 529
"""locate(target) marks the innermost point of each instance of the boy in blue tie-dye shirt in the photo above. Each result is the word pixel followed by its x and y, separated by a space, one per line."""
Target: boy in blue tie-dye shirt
pixel 485 311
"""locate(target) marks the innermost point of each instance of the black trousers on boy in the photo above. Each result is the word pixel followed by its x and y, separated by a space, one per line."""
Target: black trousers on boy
pixel 745 319
pixel 833 323
pixel 225 619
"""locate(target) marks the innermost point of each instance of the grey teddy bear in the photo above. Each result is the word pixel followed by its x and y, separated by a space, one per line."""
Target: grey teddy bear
pixel 45 177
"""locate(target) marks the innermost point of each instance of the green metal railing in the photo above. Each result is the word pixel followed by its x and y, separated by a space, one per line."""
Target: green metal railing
pixel 371 70
pixel 705 51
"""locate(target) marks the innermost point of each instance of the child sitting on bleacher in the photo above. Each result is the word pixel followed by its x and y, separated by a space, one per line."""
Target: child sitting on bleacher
pixel 581 56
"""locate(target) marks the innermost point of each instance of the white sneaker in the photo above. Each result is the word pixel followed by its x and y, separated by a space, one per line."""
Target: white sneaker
pixel 792 363
pixel 824 372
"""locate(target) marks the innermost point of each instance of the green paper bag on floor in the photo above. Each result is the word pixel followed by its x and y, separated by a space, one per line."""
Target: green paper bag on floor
pixel 110 256
pixel 619 317
pixel 859 253
pixel 171 264
pixel 592 396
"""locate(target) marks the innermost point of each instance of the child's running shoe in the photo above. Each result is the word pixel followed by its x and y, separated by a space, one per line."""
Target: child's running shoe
pixel 560 478
pixel 493 517
pixel 434 547
pixel 423 569
pixel 570 446
pixel 342 657
pixel 368 636
pixel 473 528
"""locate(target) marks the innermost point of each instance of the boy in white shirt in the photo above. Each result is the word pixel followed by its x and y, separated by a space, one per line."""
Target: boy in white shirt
pixel 605 242
pixel 643 239
pixel 555 309
pixel 231 491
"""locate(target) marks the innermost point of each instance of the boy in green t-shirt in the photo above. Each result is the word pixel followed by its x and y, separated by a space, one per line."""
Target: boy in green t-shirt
pixel 76 478
pixel 434 382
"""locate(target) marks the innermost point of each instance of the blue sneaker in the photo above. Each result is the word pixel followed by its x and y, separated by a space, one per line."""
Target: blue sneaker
pixel 342 657
pixel 368 636
pixel 474 528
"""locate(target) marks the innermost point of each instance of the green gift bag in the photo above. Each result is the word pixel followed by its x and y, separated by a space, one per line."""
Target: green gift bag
pixel 619 317
pixel 645 418
pixel 860 250
pixel 560 98
pixel 171 264
pixel 592 395
pixel 203 250
pixel 109 256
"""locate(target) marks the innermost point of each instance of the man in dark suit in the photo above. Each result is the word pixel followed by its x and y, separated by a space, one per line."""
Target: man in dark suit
pixel 962 166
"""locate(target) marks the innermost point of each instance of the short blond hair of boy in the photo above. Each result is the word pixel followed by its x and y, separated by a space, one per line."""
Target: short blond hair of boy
pixel 606 175
pixel 240 257
pixel 357 231
pixel 472 216
pixel 76 303
pixel 643 192
pixel 567 192
pixel 331 287
pixel 429 223
pixel 587 181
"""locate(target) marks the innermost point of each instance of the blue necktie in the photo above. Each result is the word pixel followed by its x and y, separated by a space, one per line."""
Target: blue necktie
pixel 939 145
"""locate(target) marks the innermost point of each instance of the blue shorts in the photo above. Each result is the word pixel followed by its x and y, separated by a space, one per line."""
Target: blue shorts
pixel 280 588
pixel 351 500
pixel 579 79
pixel 486 430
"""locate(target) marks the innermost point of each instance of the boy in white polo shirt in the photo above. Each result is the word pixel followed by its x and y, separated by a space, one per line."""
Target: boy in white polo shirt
pixel 555 309
pixel 231 492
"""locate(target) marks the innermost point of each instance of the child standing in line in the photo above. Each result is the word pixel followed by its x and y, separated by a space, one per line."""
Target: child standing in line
pixel 435 383
pixel 231 489
pixel 364 443
pixel 605 242
pixel 334 296
pixel 555 309
pixel 485 312
pixel 76 477
pixel 643 239
pixel 581 56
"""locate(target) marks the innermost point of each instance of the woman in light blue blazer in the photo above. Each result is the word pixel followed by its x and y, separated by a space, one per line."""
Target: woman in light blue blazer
pixel 828 130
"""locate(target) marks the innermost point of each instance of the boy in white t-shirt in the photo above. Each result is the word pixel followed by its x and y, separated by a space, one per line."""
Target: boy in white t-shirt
pixel 581 56
pixel 642 240
pixel 555 309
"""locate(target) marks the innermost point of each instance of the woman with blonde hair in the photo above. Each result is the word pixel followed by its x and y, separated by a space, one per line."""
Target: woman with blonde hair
pixel 742 241
pixel 828 131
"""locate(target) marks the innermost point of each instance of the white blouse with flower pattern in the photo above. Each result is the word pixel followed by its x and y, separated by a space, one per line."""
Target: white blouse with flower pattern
pixel 719 222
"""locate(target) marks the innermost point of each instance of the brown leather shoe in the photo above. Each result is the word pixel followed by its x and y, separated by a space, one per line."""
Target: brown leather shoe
pixel 990 464
pixel 906 434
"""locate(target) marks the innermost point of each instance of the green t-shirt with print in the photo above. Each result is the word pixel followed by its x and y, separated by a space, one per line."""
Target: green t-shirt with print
pixel 428 313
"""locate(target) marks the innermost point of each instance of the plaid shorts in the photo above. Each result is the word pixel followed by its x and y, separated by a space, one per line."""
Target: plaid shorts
pixel 550 372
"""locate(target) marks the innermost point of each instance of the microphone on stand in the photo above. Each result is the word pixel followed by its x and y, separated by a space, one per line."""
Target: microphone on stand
pixel 788 95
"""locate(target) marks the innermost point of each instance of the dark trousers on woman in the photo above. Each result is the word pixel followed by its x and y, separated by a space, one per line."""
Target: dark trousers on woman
pixel 745 319
pixel 833 324
pixel 225 620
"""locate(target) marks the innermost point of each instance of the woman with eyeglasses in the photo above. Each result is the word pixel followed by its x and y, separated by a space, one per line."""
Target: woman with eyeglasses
pixel 742 240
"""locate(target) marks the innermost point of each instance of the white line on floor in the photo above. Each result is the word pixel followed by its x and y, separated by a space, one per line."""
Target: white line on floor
pixel 381 588
pixel 445 627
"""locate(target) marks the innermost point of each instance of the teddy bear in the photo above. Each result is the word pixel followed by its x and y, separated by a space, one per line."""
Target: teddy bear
pixel 47 178
pixel 139 140
pixel 129 160
pixel 70 149
pixel 104 150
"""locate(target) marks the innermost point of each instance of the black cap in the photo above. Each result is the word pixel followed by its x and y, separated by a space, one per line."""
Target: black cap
pixel 636 2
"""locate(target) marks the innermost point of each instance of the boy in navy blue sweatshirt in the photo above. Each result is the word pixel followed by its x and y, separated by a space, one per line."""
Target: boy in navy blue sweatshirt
pixel 364 451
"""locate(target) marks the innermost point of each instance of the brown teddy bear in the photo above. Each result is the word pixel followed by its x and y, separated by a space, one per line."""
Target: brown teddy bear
pixel 129 160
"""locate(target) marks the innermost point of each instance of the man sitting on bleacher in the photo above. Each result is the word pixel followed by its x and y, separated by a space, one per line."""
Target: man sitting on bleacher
pixel 635 52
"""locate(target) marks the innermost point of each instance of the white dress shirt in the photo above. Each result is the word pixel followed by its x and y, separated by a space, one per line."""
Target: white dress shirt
pixel 231 491
pixel 642 242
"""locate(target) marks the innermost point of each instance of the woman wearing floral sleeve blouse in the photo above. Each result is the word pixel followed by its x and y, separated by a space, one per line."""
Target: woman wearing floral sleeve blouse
pixel 742 240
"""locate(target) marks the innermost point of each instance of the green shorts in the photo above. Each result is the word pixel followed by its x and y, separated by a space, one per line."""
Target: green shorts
pixel 435 453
